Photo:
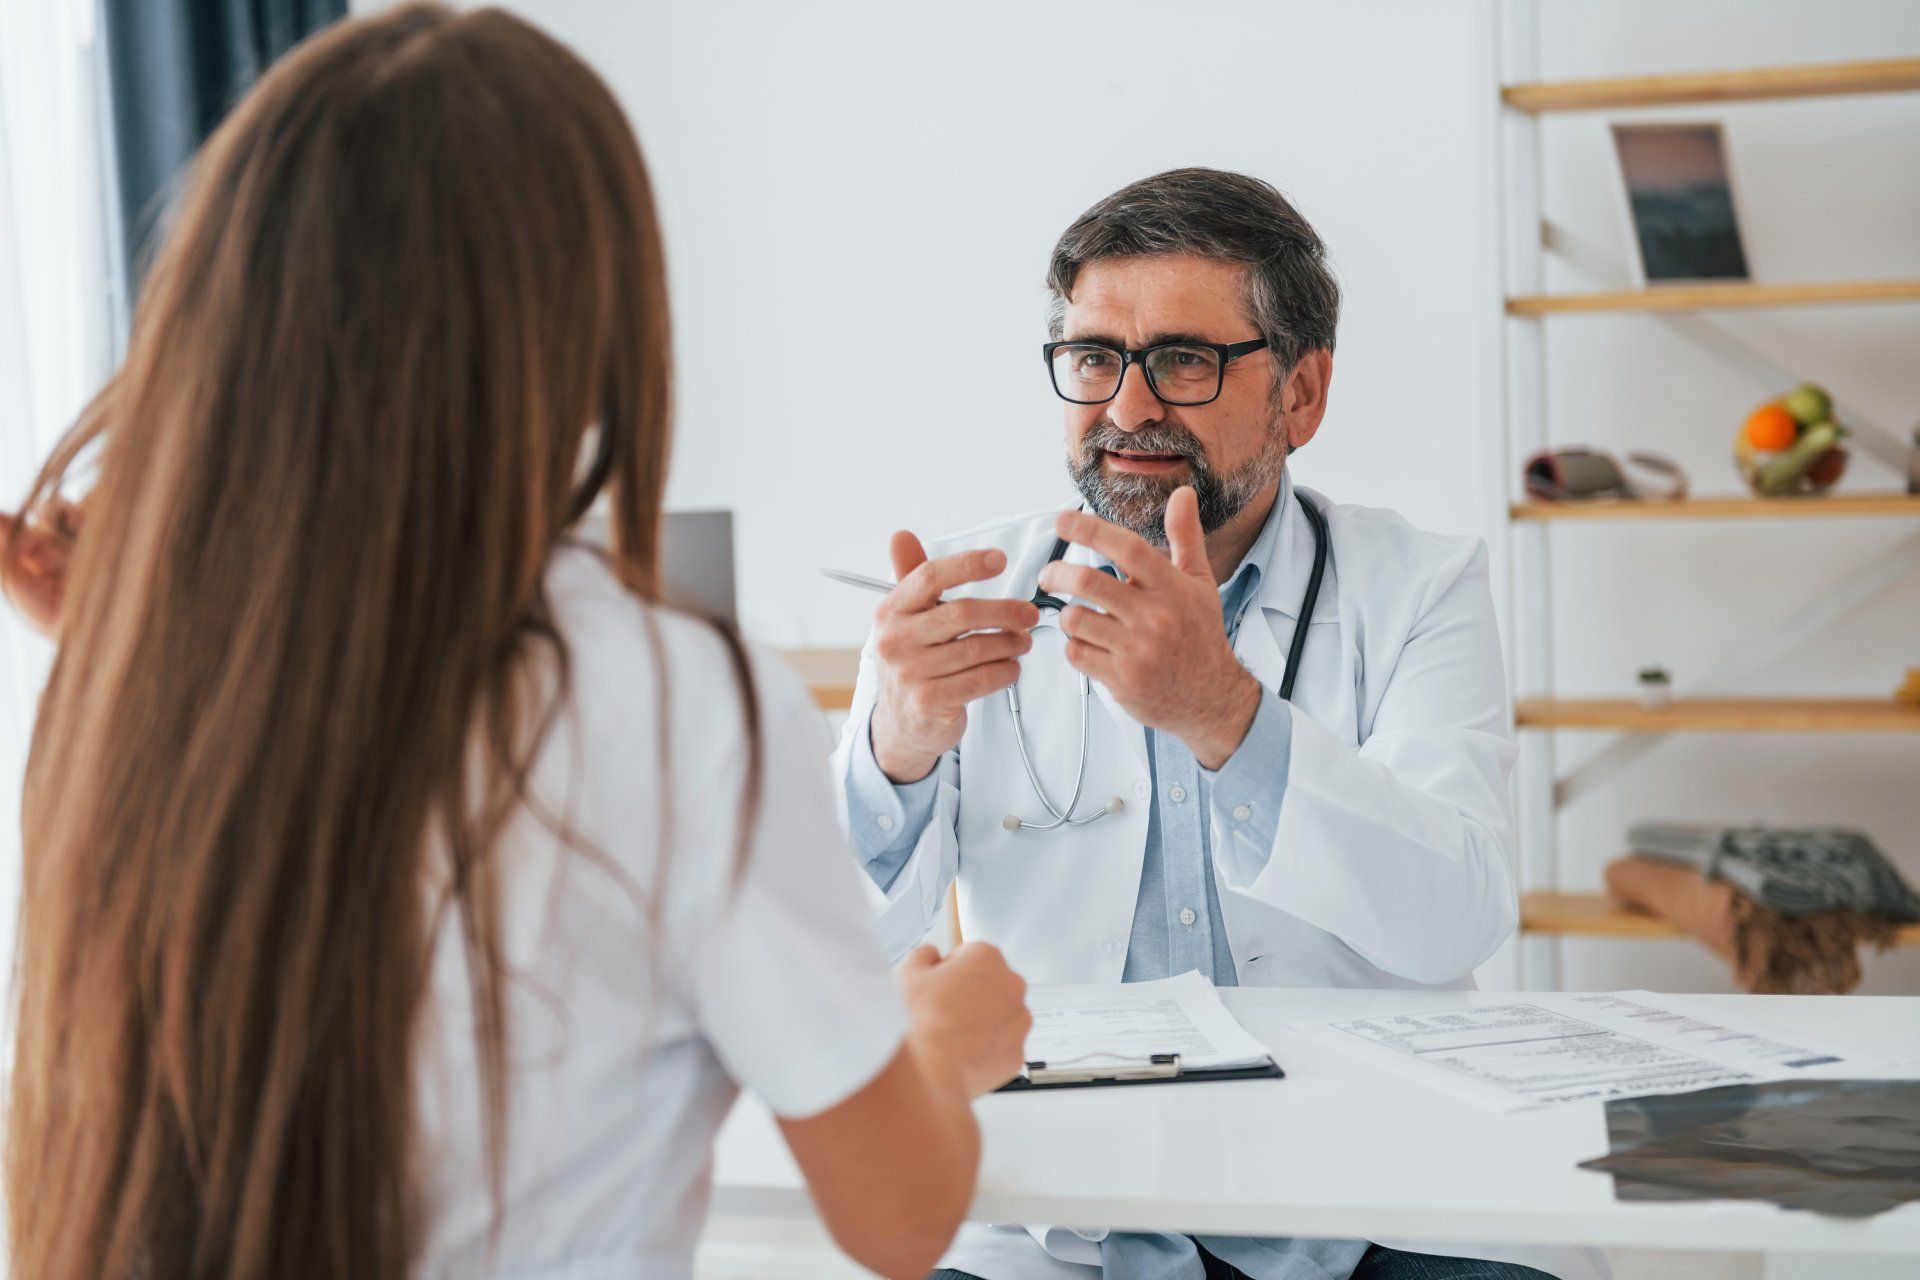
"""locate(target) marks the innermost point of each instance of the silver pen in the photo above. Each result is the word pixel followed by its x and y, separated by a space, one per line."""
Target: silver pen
pixel 860 580
pixel 882 586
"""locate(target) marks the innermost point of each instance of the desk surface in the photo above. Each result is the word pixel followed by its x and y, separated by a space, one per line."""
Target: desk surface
pixel 1342 1147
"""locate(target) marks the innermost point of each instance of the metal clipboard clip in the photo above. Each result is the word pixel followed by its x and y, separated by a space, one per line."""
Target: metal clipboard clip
pixel 1160 1066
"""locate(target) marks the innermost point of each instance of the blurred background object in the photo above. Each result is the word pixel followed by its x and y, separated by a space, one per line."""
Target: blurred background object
pixel 1791 445
pixel 173 69
pixel 1680 201
pixel 1581 474
pixel 1789 909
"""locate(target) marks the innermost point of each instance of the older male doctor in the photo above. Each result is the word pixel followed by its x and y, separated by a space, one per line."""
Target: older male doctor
pixel 1276 785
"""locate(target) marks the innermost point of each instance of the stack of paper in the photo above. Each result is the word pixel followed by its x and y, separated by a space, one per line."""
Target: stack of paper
pixel 1102 1025
pixel 1556 1047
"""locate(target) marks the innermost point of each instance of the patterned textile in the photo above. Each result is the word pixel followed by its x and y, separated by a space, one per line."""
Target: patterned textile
pixel 1793 871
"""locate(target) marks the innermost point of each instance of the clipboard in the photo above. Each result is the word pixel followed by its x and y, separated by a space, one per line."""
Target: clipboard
pixel 1161 1068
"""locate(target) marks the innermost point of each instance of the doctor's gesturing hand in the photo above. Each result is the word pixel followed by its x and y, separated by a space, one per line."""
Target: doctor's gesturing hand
pixel 935 657
pixel 1156 640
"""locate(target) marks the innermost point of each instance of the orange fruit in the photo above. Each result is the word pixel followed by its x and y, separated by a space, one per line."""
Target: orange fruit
pixel 1770 428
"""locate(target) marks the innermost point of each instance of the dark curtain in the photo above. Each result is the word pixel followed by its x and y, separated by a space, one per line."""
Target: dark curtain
pixel 174 68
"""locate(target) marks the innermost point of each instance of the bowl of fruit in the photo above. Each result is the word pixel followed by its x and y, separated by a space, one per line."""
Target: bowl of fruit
pixel 1791 445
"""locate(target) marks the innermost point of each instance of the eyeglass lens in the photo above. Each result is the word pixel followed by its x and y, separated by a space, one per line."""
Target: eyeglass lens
pixel 1088 374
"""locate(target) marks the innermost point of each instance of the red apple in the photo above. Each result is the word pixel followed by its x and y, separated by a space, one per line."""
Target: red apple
pixel 1825 471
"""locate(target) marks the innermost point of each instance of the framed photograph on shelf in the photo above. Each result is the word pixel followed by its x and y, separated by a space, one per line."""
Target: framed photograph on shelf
pixel 1680 204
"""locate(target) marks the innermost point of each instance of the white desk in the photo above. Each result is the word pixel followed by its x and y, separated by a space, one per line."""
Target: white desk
pixel 1344 1148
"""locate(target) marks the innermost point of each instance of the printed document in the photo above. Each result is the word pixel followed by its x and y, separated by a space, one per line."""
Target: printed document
pixel 1109 1024
pixel 1561 1047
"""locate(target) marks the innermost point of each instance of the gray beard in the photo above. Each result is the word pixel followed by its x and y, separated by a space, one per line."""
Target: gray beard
pixel 1139 503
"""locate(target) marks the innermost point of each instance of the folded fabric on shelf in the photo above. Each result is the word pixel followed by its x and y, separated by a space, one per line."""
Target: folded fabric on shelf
pixel 1788 909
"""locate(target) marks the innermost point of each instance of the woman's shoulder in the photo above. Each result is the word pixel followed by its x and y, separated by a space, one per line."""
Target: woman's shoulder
pixel 631 661
pixel 673 730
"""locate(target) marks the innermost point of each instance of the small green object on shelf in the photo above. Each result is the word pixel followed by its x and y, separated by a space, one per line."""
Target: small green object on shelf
pixel 1808 403
pixel 1781 473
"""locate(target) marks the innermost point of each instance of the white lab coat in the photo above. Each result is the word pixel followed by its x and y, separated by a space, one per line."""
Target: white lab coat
pixel 1391 862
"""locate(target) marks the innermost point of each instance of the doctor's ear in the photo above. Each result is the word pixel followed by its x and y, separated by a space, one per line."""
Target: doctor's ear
pixel 1303 396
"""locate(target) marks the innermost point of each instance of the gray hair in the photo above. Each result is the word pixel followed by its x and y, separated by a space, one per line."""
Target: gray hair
pixel 1291 295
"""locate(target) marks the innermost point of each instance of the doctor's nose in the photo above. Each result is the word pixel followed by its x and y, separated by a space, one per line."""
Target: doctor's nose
pixel 1134 406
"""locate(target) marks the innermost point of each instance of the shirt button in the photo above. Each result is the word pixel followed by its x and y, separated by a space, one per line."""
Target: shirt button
pixel 1140 789
pixel 1187 916
pixel 884 821
pixel 1243 811
pixel 1178 793
pixel 1113 945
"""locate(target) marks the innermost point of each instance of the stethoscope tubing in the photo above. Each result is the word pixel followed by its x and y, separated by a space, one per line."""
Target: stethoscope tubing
pixel 1061 817
pixel 1065 817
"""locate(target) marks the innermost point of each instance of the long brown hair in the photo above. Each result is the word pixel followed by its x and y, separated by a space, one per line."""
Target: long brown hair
pixel 410 318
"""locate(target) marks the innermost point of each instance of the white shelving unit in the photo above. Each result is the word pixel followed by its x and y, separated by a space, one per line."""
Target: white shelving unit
pixel 1549 913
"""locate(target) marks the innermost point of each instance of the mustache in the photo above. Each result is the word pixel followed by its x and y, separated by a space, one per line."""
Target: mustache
pixel 1159 438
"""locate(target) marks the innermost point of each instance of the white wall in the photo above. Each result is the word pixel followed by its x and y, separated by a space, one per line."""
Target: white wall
pixel 859 200
pixel 844 181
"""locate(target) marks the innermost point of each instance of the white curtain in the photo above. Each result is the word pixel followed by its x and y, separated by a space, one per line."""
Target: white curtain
pixel 57 302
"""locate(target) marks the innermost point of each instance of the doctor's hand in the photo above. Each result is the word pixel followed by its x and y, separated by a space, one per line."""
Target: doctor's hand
pixel 1156 641
pixel 936 657
pixel 968 1014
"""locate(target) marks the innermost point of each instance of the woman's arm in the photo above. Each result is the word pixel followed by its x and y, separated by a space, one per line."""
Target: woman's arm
pixel 892 1168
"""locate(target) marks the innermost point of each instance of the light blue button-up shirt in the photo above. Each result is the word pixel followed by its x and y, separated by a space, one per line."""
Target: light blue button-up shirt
pixel 1177 923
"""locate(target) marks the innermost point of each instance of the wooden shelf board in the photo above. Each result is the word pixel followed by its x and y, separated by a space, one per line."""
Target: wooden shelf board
pixel 1819 80
pixel 1588 914
pixel 1730 295
pixel 829 674
pixel 1722 715
pixel 1595 915
pixel 1725 507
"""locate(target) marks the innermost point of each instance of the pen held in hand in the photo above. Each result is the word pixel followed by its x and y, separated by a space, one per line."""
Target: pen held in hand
pixel 883 587
pixel 860 580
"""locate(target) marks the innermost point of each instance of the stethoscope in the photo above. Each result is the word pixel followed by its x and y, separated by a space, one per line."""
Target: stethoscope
pixel 1065 817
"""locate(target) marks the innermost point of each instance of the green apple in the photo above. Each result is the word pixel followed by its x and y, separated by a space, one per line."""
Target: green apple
pixel 1808 403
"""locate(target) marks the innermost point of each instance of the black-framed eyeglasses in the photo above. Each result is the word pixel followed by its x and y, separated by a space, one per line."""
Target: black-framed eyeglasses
pixel 1178 373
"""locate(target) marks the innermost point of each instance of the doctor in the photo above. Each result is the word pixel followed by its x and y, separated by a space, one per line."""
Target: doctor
pixel 1266 737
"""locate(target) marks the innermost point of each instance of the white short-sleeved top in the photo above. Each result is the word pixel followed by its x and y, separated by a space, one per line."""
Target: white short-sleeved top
pixel 649 979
